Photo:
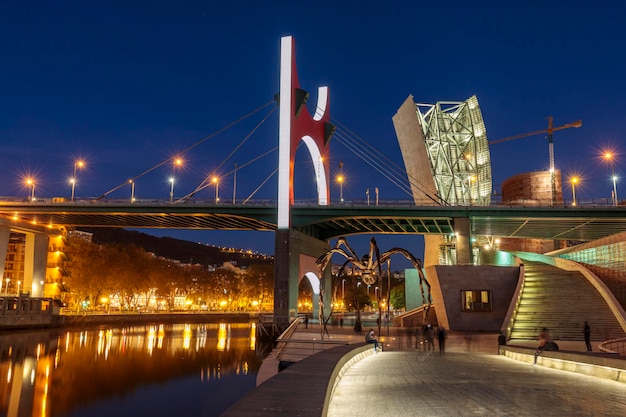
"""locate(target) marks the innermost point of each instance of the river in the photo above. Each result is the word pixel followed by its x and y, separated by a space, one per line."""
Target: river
pixel 181 369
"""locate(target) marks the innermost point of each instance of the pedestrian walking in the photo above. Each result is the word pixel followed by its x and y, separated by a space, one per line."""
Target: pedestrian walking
pixel 587 334
pixel 429 333
pixel 306 322
pixel 441 337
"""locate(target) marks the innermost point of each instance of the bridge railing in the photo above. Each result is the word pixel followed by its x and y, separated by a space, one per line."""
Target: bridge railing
pixel 518 203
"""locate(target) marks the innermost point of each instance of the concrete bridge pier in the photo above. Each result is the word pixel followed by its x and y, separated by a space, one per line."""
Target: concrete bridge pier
pixel 463 241
pixel 35 259
pixel 294 259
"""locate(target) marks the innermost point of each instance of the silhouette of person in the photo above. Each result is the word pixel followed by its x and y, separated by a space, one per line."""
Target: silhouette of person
pixel 587 334
pixel 306 322
pixel 429 333
pixel 441 337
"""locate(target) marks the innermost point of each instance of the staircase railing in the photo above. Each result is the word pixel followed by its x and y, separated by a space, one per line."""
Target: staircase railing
pixel 509 319
pixel 614 346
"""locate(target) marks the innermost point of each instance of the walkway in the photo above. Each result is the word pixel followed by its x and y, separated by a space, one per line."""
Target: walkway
pixel 469 380
pixel 469 384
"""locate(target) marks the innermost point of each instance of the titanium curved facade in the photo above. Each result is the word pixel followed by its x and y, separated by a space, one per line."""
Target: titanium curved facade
pixel 456 141
pixel 446 155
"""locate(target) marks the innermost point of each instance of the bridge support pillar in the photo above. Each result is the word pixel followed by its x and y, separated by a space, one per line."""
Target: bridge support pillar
pixel 35 258
pixel 5 234
pixel 463 241
pixel 294 257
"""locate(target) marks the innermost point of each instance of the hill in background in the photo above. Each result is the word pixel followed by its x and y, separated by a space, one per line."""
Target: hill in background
pixel 177 249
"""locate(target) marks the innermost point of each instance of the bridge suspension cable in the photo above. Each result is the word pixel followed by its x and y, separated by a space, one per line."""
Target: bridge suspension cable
pixel 207 180
pixel 189 148
pixel 373 157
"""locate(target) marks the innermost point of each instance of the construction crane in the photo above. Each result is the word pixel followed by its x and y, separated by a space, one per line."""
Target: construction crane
pixel 549 131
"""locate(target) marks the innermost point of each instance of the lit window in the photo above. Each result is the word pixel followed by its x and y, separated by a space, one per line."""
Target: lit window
pixel 476 300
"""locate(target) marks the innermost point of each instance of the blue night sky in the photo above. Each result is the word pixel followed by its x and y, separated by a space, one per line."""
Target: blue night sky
pixel 127 85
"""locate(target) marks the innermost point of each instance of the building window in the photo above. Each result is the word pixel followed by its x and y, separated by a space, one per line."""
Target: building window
pixel 476 300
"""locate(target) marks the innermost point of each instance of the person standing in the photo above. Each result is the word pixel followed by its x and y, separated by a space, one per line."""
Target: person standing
pixel 441 337
pixel 587 334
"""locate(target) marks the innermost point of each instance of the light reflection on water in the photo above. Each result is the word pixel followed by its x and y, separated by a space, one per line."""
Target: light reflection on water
pixel 157 370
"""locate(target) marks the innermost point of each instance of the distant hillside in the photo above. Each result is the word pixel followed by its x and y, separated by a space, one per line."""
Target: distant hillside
pixel 167 247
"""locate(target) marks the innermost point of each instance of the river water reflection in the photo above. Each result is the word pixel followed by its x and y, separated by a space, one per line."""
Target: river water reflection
pixel 144 370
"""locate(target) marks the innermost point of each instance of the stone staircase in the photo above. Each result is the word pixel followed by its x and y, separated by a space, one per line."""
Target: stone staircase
pixel 562 301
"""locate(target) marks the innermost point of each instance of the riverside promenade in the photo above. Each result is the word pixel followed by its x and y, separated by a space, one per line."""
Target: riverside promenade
pixel 469 379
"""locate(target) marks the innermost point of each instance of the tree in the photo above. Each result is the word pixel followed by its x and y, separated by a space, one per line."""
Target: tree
pixel 397 298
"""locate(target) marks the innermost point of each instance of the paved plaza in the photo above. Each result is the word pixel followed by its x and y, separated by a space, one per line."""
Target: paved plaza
pixel 403 383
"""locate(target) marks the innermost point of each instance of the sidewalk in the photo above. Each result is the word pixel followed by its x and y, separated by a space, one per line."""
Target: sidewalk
pixel 468 379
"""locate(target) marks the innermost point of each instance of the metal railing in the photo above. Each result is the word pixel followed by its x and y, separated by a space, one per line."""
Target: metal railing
pixel 518 203
pixel 617 346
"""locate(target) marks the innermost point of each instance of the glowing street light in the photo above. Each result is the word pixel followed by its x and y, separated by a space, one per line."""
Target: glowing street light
pixel 217 187
pixel 177 162
pixel 340 181
pixel 77 164
pixel 574 182
pixel 610 158
pixel 31 183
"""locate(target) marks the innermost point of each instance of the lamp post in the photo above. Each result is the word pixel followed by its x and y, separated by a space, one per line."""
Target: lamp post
pixel 574 181
pixel 176 163
pixel 31 183
pixel 615 189
pixel 609 157
pixel 343 290
pixel 217 187
pixel 19 284
pixel 235 185
pixel 367 193
pixel 340 181
pixel 132 191
pixel 77 164
pixel 376 189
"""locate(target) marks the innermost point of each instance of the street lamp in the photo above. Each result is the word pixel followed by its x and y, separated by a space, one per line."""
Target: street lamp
pixel 176 163
pixel 574 181
pixel 367 193
pixel 217 187
pixel 31 183
pixel 340 181
pixel 609 157
pixel 172 190
pixel 77 164
pixel 376 189
pixel 235 185
pixel 615 189
pixel 132 191
pixel 343 290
